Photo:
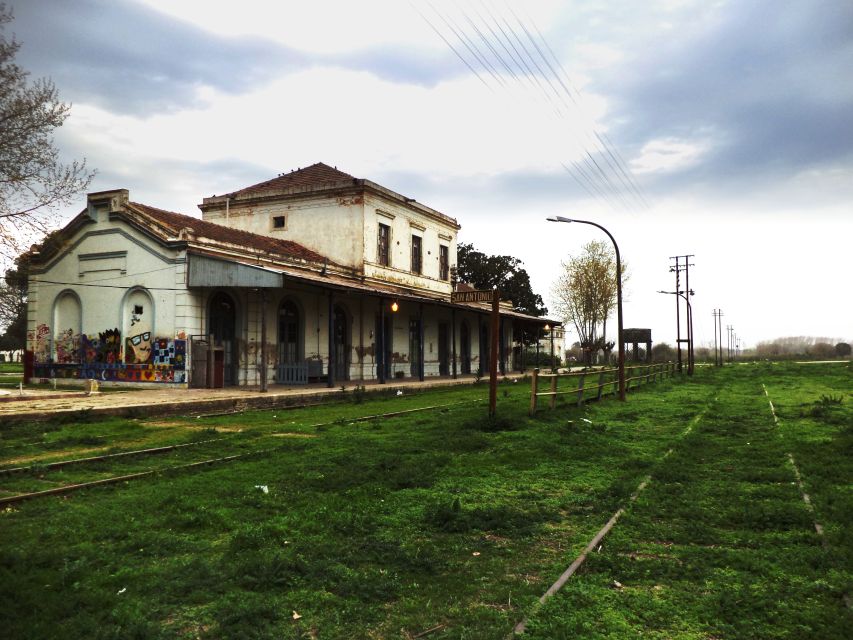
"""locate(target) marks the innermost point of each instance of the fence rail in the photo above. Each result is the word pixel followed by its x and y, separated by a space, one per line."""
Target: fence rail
pixel 605 381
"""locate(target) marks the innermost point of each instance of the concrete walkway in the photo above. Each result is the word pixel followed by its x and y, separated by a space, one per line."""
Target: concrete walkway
pixel 39 405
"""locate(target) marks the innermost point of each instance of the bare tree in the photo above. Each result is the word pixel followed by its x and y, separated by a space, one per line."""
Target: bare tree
pixel 33 180
pixel 585 294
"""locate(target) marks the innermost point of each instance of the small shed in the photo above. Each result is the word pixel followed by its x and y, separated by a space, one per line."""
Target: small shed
pixel 636 336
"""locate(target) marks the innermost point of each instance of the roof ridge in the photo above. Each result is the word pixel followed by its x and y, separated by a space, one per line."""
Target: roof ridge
pixel 317 173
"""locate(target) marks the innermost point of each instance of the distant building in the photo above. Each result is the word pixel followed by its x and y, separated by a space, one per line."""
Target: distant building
pixel 338 278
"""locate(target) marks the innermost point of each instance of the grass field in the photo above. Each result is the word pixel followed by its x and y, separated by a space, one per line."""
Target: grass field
pixel 444 524
pixel 11 373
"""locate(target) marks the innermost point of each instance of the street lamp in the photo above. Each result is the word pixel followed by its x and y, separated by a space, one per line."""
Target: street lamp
pixel 690 360
pixel 621 361
pixel 550 331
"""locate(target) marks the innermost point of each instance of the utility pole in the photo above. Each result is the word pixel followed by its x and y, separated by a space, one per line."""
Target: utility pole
pixel 718 337
pixel 677 269
pixel 714 315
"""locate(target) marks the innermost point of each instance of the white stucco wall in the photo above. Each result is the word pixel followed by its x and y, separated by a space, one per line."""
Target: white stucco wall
pixel 114 271
pixel 405 222
pixel 101 293
pixel 331 226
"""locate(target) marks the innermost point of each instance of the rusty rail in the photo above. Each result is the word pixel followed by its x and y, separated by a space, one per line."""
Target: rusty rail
pixel 49 466
pixel 124 478
pixel 606 381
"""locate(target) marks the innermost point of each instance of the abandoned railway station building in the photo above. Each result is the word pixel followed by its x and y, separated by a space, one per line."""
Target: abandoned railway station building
pixel 312 276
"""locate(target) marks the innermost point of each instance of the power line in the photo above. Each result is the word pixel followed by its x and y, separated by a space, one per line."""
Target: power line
pixel 104 286
pixel 606 180
pixel 523 68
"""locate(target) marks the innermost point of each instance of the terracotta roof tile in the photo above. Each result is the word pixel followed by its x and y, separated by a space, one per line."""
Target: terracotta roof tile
pixel 316 174
pixel 275 246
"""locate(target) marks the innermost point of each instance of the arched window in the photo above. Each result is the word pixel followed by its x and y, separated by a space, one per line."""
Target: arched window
pixel 137 316
pixel 67 327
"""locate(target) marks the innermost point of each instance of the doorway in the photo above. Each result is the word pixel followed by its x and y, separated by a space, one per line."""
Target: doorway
pixel 484 349
pixel 443 350
pixel 465 348
pixel 342 347
pixel 222 323
pixel 383 336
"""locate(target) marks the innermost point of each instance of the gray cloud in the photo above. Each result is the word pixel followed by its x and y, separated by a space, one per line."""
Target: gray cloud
pixel 769 86
pixel 131 59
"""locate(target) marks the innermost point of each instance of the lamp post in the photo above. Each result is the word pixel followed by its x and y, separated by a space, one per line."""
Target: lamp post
pixel 550 331
pixel 683 294
pixel 621 361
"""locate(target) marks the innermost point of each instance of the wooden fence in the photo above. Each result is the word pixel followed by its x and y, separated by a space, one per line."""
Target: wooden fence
pixel 605 381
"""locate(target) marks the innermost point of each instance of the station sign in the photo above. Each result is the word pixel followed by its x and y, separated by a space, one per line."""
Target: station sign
pixel 472 296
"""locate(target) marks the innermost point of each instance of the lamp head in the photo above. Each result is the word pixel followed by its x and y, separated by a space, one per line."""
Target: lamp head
pixel 394 306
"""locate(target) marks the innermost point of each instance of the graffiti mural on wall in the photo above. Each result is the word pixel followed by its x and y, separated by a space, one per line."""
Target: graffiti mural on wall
pixel 137 349
pixel 67 346
pixel 146 359
pixel 39 341
pixel 105 348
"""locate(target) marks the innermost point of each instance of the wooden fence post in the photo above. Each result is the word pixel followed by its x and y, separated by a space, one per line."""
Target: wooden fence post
pixel 534 387
pixel 553 390
pixel 580 389
pixel 600 384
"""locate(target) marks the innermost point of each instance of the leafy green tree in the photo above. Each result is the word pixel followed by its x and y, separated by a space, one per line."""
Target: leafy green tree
pixel 33 180
pixel 662 352
pixel 13 310
pixel 842 349
pixel 504 272
pixel 585 294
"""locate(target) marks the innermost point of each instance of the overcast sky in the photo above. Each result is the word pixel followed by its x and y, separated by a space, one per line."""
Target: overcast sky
pixel 734 119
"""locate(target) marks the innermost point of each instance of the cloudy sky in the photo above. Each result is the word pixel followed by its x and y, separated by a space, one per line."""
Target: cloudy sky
pixel 722 129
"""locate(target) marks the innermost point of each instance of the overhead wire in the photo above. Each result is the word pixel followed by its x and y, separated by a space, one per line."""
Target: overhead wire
pixel 600 169
pixel 605 142
pixel 452 48
pixel 526 73
pixel 608 154
pixel 609 179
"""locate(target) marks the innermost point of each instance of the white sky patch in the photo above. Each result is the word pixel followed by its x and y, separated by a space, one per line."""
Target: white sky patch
pixel 357 121
pixel 598 56
pixel 669 154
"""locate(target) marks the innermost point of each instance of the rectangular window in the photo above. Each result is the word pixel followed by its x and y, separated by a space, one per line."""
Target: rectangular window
pixel 278 222
pixel 443 262
pixel 416 254
pixel 383 251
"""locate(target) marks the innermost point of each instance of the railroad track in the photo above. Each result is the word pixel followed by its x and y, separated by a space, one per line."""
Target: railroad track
pixel 44 469
pixel 27 482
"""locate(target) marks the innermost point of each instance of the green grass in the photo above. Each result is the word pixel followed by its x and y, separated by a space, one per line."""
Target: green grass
pixel 386 528
pixel 721 544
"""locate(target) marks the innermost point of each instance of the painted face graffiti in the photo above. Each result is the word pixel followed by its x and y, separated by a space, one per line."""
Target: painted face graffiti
pixel 138 349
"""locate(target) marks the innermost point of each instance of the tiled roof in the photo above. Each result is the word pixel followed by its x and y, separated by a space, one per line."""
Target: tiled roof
pixel 315 175
pixel 275 246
